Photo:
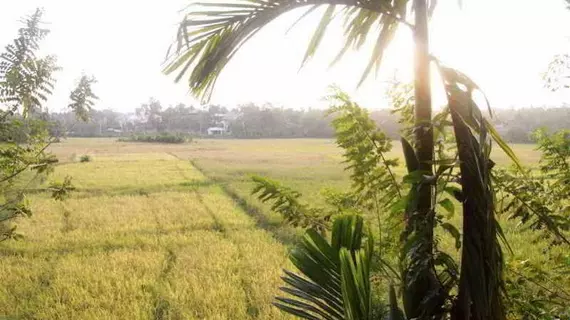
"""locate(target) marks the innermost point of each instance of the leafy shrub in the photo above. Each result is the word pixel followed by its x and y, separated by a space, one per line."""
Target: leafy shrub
pixel 157 138
pixel 85 158
pixel 26 82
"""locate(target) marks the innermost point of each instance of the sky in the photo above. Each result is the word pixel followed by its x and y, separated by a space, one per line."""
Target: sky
pixel 503 45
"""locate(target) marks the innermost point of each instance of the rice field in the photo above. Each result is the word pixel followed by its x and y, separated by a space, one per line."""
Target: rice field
pixel 146 236
pixel 159 231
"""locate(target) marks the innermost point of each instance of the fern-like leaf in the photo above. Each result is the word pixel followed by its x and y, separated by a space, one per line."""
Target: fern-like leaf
pixel 285 201
pixel 365 152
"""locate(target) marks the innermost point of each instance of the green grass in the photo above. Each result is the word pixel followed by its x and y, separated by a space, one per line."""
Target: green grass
pixel 159 231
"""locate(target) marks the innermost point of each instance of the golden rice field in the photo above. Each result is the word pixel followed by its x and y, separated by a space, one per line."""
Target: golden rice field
pixel 158 231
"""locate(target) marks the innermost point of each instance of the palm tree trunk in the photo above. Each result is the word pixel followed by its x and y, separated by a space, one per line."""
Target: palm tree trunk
pixel 422 282
pixel 424 131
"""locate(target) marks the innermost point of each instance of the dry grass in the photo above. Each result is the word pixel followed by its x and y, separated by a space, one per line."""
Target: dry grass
pixel 136 251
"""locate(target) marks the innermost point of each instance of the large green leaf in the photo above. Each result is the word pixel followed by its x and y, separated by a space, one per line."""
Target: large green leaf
pixel 335 277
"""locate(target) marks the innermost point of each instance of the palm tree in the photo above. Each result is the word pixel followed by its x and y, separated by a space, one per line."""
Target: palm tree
pixel 210 36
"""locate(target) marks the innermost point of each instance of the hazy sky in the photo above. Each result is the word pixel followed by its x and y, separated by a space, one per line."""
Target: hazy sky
pixel 503 44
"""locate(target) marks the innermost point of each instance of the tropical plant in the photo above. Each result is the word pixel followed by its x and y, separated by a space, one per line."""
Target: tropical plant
pixel 520 280
pixel 83 98
pixel 25 83
pixel 432 286
pixel 538 199
pixel 373 178
pixel 337 274
pixel 25 80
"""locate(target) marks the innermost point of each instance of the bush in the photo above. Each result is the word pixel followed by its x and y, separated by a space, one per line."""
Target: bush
pixel 157 138
pixel 85 158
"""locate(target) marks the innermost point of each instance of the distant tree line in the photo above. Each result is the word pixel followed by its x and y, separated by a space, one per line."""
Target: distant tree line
pixel 267 121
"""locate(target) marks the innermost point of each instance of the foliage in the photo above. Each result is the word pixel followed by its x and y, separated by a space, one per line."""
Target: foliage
pixel 286 202
pixel 211 33
pixel 83 98
pixel 375 188
pixel 539 201
pixel 337 283
pixel 61 190
pixel 253 121
pixel 481 282
pixel 518 125
pixel 21 166
pixel 432 286
pixel 150 112
pixel 555 161
pixel 158 138
pixel 365 149
pixel 85 158
pixel 365 146
pixel 25 80
pixel 402 100
pixel 365 157
pixel 535 291
pixel 17 129
pixel 557 76
pixel 25 83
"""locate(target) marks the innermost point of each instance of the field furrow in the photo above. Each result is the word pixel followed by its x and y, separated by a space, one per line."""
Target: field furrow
pixel 142 238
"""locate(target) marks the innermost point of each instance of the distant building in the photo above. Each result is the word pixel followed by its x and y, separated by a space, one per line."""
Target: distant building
pixel 221 123
pixel 216 131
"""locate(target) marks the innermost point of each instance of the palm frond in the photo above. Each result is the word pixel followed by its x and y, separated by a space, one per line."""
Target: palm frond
pixel 335 282
pixel 319 33
pixel 460 88
pixel 212 32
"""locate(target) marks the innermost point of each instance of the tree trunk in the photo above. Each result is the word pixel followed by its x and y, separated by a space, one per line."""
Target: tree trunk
pixel 480 285
pixel 424 131
pixel 423 286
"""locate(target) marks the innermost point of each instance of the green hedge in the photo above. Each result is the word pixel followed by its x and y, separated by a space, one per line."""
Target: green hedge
pixel 157 138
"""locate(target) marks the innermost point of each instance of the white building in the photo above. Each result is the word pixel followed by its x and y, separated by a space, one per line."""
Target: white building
pixel 216 131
